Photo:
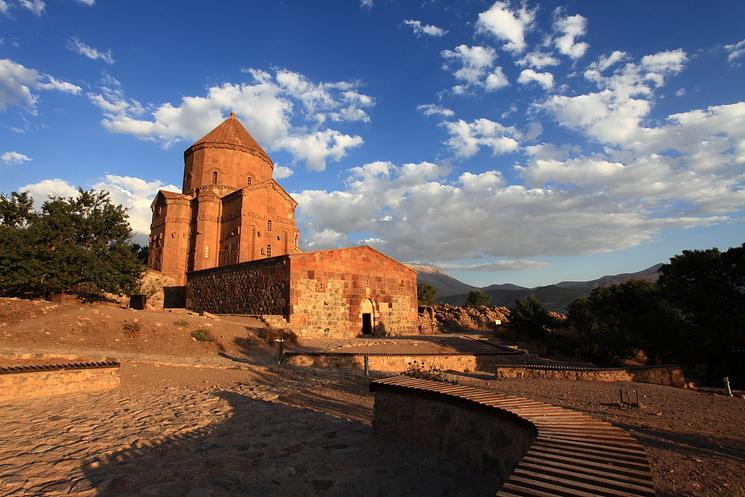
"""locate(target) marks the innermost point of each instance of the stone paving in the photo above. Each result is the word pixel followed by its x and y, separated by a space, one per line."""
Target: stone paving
pixel 178 441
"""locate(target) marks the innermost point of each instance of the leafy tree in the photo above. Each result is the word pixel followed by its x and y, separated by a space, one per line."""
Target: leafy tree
pixel 71 242
pixel 426 294
pixel 709 286
pixel 141 251
pixel 529 317
pixel 477 298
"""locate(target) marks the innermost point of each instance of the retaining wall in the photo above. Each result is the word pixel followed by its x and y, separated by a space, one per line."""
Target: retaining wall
pixel 25 382
pixel 395 363
pixel 659 375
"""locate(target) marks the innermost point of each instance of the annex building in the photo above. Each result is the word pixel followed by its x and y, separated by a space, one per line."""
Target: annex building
pixel 230 239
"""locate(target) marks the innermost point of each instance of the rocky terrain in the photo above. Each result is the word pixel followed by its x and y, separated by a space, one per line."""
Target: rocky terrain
pixel 444 318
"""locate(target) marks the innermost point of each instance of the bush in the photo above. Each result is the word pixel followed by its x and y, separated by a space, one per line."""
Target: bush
pixel 530 318
pixel 426 294
pixel 417 369
pixel 477 298
pixel 181 323
pixel 131 326
pixel 202 335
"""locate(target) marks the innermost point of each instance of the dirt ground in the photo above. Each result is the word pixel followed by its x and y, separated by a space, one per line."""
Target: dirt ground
pixel 198 418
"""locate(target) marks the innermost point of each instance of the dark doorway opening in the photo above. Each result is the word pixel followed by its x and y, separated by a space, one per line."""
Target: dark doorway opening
pixel 367 327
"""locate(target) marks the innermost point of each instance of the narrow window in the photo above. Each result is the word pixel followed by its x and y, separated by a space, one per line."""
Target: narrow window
pixel 269 250
pixel 214 178
pixel 269 225
pixel 249 181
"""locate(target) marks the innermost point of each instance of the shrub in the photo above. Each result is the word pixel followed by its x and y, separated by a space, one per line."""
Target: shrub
pixel 181 323
pixel 530 318
pixel 477 298
pixel 426 294
pixel 131 326
pixel 202 335
pixel 417 369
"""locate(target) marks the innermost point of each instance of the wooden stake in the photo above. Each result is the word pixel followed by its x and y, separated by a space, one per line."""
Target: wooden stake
pixel 726 386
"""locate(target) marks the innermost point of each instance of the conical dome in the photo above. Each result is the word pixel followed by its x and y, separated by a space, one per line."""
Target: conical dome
pixel 230 134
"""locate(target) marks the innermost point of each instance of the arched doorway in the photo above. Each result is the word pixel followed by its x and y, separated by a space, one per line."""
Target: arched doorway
pixel 367 312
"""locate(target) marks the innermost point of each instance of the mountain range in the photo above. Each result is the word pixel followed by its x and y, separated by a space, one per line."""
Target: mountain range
pixel 554 297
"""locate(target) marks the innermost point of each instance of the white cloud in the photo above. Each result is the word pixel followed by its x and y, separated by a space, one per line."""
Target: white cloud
pixel 507 24
pixel 435 110
pixel 538 60
pixel 496 80
pixel 316 148
pixel 44 189
pixel 368 4
pixel 135 194
pixel 680 92
pixel 567 30
pixel 545 79
pixel 13 157
pixel 613 114
pixel 425 29
pixel 473 67
pixel 605 61
pixel 18 82
pixel 281 172
pixel 3 8
pixel 497 265
pixel 37 7
pixel 735 50
pixel 277 109
pixel 418 215
pixel 466 139
pixel 88 3
pixel 87 51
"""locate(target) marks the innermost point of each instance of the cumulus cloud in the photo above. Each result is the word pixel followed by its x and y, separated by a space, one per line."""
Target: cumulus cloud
pixel 13 157
pixel 613 114
pixel 3 7
pixel 281 172
pixel 467 138
pixel 18 83
pixel 538 60
pixel 507 24
pixel 88 3
pixel 567 29
pixel 473 67
pixel 545 79
pixel 435 110
pixel 417 214
pixel 283 111
pixel 87 51
pixel 735 50
pixel 36 7
pixel 425 29
pixel 135 194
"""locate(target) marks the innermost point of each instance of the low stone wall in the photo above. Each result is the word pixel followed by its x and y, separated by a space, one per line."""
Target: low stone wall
pixel 660 375
pixel 27 383
pixel 490 440
pixel 396 363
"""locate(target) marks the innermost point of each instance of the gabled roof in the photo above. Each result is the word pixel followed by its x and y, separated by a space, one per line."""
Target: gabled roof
pixel 230 134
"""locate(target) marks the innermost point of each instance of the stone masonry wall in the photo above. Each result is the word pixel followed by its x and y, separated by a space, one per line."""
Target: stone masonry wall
pixel 489 441
pixel 255 287
pixel 21 386
pixel 329 288
pixel 663 375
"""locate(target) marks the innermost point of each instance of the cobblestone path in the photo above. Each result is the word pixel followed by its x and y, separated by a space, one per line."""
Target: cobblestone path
pixel 189 442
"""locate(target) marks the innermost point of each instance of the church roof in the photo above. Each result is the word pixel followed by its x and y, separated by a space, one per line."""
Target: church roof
pixel 230 134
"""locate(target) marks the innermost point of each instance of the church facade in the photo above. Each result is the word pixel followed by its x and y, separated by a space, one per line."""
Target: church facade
pixel 230 239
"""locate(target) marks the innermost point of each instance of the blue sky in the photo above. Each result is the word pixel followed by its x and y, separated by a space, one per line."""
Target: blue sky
pixel 504 142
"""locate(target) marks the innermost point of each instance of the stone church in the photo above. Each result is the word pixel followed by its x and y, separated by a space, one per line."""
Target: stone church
pixel 230 241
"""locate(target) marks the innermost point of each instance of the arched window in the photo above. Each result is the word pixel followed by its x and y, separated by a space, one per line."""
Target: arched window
pixel 269 225
pixel 214 178
pixel 269 250
pixel 249 181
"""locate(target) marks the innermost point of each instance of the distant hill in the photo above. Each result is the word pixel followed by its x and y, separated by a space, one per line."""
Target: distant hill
pixel 555 297
pixel 446 285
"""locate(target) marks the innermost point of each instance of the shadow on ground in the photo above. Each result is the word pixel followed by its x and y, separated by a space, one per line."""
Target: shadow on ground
pixel 272 449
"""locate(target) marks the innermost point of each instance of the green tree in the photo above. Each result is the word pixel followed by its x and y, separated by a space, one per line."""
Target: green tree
pixel 426 294
pixel 73 241
pixel 529 317
pixel 477 298
pixel 615 322
pixel 709 287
